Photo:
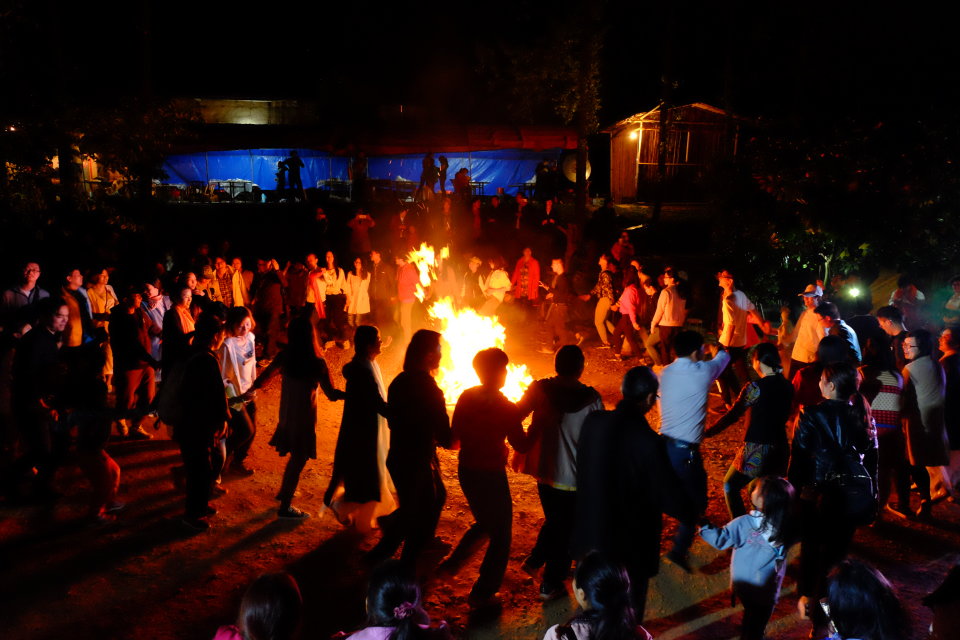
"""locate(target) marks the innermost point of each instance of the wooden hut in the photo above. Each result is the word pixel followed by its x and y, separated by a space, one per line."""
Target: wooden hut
pixel 698 135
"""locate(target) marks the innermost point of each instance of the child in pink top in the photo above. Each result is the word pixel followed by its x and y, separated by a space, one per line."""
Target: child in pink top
pixel 395 610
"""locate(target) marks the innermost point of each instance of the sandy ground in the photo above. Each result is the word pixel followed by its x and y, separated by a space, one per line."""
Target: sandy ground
pixel 146 576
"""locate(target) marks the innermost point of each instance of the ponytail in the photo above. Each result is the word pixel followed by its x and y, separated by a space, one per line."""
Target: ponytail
pixel 847 381
pixel 779 515
pixel 766 353
pixel 393 600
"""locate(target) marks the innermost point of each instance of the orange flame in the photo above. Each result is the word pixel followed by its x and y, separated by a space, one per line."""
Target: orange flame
pixel 465 332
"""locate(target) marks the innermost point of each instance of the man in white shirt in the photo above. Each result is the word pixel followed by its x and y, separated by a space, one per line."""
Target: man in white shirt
pixel 808 332
pixel 683 412
pixel 734 309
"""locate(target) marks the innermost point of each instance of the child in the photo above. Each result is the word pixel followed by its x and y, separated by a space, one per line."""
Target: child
pixel 394 609
pixel 760 541
pixel 602 590
pixel 271 609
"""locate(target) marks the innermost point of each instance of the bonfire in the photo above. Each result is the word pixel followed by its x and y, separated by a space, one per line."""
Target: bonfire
pixel 465 332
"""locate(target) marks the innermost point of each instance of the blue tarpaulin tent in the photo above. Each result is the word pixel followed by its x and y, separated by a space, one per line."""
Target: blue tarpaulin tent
pixel 257 165
pixel 499 168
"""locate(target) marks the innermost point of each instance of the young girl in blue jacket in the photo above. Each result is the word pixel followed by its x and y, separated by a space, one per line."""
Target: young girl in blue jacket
pixel 760 541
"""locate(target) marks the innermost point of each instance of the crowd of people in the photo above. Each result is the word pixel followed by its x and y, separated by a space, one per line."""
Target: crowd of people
pixel 861 602
pixel 838 413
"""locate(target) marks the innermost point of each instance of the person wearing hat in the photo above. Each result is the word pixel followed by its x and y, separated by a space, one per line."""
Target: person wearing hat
pixel 808 332
pixel 203 293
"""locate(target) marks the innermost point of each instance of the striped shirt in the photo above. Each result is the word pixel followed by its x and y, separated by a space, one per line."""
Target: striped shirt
pixel 888 401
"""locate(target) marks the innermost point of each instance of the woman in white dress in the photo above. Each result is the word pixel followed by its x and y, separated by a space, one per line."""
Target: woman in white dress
pixel 358 295
pixel 360 489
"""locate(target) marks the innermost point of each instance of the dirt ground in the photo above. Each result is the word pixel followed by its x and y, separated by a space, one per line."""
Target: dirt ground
pixel 146 576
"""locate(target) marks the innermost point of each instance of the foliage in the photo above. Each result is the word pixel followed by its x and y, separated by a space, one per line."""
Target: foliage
pixel 135 137
pixel 548 68
pixel 852 198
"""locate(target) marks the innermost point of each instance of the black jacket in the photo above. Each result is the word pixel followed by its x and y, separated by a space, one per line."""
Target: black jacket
pixel 205 399
pixel 825 430
pixel 624 484
pixel 418 423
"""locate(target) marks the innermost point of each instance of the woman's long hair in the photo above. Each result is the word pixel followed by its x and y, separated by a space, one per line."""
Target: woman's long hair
pixel 779 519
pixel 393 600
pixel 422 344
pixel 845 378
pixel 362 271
pixel 336 262
pixel 271 608
pixel 303 350
pixel 864 605
pixel 606 589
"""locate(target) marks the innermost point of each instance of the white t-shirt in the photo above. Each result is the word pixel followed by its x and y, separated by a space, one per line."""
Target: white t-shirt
pixel 238 365
pixel 736 306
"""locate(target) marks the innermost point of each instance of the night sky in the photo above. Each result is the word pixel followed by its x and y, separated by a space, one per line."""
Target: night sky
pixel 800 61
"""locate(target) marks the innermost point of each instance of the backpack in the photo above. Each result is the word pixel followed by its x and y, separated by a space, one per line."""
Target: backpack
pixel 849 490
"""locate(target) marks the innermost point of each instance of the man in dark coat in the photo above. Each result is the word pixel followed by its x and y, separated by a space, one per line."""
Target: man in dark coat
pixel 268 305
pixel 38 377
pixel 383 293
pixel 204 421
pixel 624 485
pixel 561 296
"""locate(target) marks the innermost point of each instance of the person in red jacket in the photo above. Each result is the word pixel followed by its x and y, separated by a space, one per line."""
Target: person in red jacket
pixel 526 279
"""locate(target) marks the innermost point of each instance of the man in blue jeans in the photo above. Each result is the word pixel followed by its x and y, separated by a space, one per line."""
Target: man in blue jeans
pixel 683 412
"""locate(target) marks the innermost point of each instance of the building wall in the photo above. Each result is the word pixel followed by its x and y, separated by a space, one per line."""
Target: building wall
pixel 623 167
pixel 692 147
